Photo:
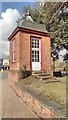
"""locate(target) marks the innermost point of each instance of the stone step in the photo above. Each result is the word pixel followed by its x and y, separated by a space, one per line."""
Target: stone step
pixel 45 74
pixel 49 79
pixel 37 72
pixel 46 78
pixel 43 77
pixel 41 73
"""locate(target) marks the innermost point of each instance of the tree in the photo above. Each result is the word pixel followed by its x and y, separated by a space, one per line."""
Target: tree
pixel 54 15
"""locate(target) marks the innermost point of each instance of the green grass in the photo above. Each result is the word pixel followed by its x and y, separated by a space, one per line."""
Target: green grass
pixel 54 90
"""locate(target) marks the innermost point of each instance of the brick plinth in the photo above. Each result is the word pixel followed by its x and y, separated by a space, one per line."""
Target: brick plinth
pixel 40 110
pixel 14 75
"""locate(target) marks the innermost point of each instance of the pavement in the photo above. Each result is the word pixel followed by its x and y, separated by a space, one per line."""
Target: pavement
pixel 10 105
pixel 13 107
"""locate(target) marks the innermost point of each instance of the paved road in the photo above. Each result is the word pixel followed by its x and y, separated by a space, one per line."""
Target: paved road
pixel 12 106
pixel 3 75
pixel 0 75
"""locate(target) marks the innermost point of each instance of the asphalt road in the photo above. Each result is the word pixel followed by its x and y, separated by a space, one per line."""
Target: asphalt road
pixel 10 105
pixel 3 75
pixel 0 76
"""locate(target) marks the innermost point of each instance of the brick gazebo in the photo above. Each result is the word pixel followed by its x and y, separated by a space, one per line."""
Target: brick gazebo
pixel 29 46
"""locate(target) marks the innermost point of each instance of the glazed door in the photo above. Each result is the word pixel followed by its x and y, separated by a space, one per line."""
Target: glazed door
pixel 36 54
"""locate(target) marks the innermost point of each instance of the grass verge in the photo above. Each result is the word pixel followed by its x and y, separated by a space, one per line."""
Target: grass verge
pixel 54 90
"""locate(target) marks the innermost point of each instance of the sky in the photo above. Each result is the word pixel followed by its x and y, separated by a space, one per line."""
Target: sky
pixel 9 13
pixel 15 5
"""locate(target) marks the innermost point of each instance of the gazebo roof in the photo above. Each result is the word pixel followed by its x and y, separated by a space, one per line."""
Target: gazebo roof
pixel 28 24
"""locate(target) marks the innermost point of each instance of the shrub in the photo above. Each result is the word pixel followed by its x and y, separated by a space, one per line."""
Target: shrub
pixel 25 73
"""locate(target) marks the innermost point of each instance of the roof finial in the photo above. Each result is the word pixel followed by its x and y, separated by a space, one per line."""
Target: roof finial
pixel 28 17
pixel 28 13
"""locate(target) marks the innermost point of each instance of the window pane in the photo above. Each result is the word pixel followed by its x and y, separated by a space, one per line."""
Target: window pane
pixel 38 59
pixel 32 45
pixel 32 60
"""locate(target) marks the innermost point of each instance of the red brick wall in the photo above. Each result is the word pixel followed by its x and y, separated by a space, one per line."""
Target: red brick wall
pixel 15 66
pixel 14 76
pixel 43 112
pixel 25 50
pixel 46 54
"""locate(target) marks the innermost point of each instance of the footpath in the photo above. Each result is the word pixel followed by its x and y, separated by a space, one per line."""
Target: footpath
pixel 42 106
pixel 12 106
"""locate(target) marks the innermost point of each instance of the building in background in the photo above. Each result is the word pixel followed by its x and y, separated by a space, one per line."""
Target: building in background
pixel 5 65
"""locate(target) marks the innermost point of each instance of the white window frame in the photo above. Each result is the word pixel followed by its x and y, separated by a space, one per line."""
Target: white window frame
pixel 35 47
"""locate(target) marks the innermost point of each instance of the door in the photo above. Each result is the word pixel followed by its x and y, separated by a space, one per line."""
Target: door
pixel 36 53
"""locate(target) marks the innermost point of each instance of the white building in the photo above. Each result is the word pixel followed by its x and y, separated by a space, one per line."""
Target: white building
pixel 5 64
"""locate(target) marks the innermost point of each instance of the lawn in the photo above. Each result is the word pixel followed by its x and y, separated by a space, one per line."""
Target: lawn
pixel 54 90
pixel 60 65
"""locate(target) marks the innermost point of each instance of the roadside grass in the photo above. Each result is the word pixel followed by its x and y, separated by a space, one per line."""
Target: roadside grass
pixel 61 65
pixel 54 90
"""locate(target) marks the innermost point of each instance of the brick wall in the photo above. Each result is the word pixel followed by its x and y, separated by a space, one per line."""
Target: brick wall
pixel 14 75
pixel 16 65
pixel 35 105
pixel 22 52
pixel 25 50
pixel 46 54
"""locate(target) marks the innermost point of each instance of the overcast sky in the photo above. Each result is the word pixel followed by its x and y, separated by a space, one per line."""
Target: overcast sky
pixel 9 13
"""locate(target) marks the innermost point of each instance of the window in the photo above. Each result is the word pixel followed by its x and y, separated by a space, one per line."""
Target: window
pixel 13 51
pixel 35 43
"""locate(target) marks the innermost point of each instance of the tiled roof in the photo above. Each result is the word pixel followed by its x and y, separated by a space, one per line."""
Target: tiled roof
pixel 32 25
